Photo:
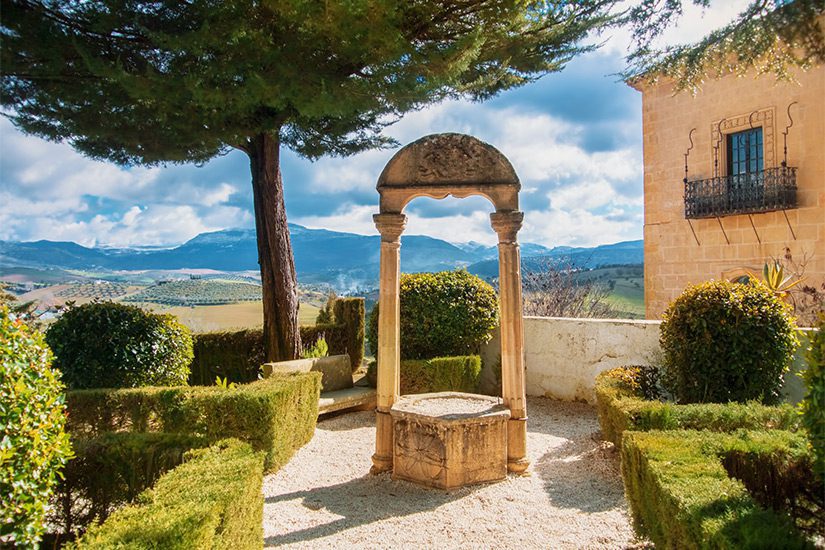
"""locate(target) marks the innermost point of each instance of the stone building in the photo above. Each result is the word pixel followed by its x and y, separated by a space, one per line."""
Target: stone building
pixel 733 176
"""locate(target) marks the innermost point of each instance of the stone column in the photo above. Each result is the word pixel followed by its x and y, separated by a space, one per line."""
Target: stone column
pixel 507 224
pixel 389 342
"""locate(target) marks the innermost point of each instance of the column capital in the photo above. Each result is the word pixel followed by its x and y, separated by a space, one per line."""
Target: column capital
pixel 390 226
pixel 507 224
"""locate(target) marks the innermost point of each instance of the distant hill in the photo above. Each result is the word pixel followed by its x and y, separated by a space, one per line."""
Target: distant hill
pixel 623 253
pixel 344 260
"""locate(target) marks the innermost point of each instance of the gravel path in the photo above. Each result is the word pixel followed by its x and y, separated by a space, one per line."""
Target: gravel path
pixel 573 497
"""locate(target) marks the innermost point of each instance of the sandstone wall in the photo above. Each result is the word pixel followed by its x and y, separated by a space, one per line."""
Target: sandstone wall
pixel 673 256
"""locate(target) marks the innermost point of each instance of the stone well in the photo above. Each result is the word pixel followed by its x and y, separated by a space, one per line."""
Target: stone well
pixel 449 439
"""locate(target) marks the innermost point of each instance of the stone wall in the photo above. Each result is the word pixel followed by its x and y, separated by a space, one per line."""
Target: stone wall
pixel 563 356
pixel 675 253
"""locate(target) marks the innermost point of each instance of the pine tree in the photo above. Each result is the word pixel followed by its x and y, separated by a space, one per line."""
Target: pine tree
pixel 767 37
pixel 144 83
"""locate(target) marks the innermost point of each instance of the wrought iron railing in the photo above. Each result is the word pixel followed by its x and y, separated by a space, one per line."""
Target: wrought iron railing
pixel 764 191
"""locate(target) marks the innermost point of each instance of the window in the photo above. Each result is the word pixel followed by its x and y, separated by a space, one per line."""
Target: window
pixel 745 154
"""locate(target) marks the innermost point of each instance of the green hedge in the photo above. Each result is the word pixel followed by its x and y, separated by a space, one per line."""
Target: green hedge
pixel 621 407
pixel 440 374
pixel 276 415
pixel 813 404
pixel 238 356
pixel 433 375
pixel 213 500
pixel 111 470
pixel 682 496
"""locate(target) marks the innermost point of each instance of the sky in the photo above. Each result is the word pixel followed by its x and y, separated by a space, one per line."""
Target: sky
pixel 574 139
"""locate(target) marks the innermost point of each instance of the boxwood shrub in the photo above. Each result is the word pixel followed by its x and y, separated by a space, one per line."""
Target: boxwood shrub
pixel 682 496
pixel 621 406
pixel 450 313
pixel 440 374
pixel 276 415
pixel 112 345
pixel 813 405
pixel 213 500
pixel 111 470
pixel 33 444
pixel 726 341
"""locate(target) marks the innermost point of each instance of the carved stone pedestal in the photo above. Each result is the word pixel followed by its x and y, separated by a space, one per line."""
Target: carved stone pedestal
pixel 449 439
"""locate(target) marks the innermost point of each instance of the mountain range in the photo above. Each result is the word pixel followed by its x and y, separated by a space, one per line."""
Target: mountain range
pixel 343 260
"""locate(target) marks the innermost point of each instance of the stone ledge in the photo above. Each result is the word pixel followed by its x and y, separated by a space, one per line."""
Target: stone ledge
pixel 351 398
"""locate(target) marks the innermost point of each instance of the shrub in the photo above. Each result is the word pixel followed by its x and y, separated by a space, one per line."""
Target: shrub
pixel 780 479
pixel 276 415
pixel 450 313
pixel 813 405
pixel 318 349
pixel 33 444
pixel 726 341
pixel 111 470
pixel 350 315
pixel 681 496
pixel 213 500
pixel 238 356
pixel 440 374
pixel 621 406
pixel 111 345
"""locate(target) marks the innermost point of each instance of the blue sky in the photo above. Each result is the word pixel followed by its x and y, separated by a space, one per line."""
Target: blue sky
pixel 574 138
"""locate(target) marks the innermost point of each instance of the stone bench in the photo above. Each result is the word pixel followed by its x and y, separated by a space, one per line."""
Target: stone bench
pixel 336 372
pixel 337 390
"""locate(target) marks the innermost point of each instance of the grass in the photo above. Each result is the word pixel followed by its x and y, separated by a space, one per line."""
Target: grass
pixel 228 316
pixel 628 294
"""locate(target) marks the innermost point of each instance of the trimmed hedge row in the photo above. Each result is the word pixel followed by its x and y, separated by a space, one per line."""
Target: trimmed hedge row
pixel 440 374
pixel 276 415
pixel 238 356
pixel 461 373
pixel 682 496
pixel 213 500
pixel 111 470
pixel 621 407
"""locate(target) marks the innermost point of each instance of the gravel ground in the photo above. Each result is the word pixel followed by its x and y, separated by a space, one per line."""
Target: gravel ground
pixel 572 497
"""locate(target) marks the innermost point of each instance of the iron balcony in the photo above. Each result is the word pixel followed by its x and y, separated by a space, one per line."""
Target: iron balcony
pixel 753 192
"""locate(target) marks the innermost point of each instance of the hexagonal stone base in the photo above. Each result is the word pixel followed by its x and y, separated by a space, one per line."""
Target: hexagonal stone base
pixel 449 439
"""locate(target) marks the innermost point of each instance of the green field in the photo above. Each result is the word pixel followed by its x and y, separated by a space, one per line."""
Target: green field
pixel 198 292
pixel 227 316
pixel 628 294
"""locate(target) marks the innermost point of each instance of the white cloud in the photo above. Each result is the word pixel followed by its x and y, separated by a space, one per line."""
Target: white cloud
pixel 348 218
pixel 219 195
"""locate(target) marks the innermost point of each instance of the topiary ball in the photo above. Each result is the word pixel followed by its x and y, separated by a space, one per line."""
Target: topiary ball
pixel 726 341
pixel 33 444
pixel 448 313
pixel 112 345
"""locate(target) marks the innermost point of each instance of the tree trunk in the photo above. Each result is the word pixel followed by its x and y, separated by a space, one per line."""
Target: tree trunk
pixel 282 338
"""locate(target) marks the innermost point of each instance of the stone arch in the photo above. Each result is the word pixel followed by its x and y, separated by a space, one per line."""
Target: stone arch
pixel 437 166
pixel 440 165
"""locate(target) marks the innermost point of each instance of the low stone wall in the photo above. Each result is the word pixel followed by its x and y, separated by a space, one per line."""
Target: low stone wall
pixel 563 356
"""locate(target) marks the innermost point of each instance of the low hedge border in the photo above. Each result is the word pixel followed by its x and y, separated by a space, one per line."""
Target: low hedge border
pixel 213 500
pixel 111 470
pixel 462 373
pixel 682 496
pixel 238 356
pixel 276 415
pixel 621 407
pixel 440 374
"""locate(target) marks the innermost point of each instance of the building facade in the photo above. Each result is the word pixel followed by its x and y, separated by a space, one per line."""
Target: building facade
pixel 733 176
